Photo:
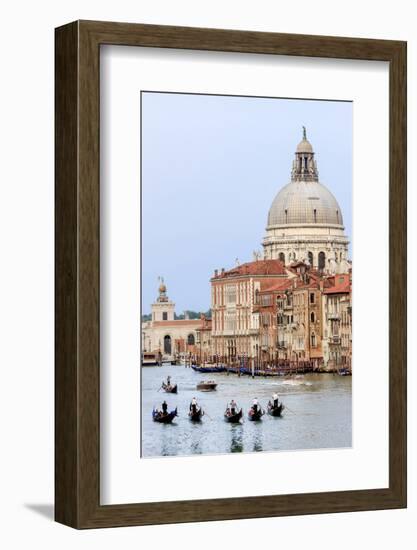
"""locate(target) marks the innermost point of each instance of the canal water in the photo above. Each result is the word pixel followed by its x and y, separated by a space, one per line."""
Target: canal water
pixel 318 413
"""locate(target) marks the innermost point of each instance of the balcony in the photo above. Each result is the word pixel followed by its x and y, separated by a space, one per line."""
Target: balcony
pixel 335 340
pixel 333 316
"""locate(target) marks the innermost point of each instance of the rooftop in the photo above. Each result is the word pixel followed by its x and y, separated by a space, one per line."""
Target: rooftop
pixel 259 267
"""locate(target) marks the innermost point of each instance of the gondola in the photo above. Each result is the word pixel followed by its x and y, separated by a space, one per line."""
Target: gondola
pixel 252 415
pixel 170 388
pixel 167 418
pixel 275 411
pixel 195 417
pixel 233 418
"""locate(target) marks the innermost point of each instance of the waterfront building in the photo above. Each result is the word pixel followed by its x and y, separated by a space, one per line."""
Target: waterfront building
pixel 307 316
pixel 337 316
pixel 290 319
pixel 274 307
pixel 305 222
pixel 203 340
pixel 235 323
pixel 164 334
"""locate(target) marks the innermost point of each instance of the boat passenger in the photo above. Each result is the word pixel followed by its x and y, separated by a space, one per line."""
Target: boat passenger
pixel 168 380
pixel 233 406
pixel 275 398
pixel 255 405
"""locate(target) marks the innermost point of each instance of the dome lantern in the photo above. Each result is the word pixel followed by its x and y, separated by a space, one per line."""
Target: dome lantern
pixel 304 167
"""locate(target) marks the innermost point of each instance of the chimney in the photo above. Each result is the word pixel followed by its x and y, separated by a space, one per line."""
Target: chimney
pixel 216 272
pixel 222 270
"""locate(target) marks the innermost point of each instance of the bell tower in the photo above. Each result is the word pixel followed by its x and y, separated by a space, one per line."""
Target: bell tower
pixel 163 309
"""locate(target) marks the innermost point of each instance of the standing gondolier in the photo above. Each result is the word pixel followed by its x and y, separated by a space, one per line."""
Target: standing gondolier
pixel 275 399
pixel 193 405
pixel 255 405
pixel 164 408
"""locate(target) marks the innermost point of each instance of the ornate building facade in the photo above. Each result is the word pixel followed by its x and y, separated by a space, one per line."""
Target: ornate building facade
pixel 305 222
pixel 235 323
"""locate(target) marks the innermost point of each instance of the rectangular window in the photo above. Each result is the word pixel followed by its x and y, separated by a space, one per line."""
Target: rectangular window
pixel 164 316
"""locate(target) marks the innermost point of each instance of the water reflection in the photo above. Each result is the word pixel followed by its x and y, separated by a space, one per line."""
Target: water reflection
pixel 236 445
pixel 257 437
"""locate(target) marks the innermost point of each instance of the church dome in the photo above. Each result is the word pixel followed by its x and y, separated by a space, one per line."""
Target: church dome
pixel 304 146
pixel 304 202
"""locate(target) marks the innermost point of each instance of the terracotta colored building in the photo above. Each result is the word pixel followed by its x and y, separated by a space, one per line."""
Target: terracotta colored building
pixel 235 323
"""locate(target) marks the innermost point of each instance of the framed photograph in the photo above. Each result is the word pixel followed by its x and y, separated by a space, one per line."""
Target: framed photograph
pixel 230 274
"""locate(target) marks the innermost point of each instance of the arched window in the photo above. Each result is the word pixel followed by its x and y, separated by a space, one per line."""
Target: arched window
pixel 322 260
pixel 310 258
pixel 167 344
pixel 281 257
pixel 313 340
pixel 191 340
pixel 312 317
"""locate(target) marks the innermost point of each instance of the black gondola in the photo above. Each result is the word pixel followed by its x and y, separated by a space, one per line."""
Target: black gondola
pixel 167 418
pixel 196 416
pixel 275 411
pixel 169 388
pixel 252 415
pixel 234 418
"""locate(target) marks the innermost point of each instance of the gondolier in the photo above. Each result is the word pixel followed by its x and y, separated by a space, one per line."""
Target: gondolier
pixel 164 408
pixel 275 399
pixel 255 405
pixel 193 405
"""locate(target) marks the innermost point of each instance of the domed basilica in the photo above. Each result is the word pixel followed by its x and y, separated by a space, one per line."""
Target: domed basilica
pixel 305 222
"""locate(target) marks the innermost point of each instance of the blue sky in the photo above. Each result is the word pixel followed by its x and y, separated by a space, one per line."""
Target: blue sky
pixel 211 167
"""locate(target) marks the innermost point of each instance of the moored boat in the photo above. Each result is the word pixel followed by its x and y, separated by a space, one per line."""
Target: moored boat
pixel 344 372
pixel 233 418
pixel 170 388
pixel 149 359
pixel 208 369
pixel 275 411
pixel 164 418
pixel 207 385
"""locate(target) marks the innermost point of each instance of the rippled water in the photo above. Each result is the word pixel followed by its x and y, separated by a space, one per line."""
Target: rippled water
pixel 317 415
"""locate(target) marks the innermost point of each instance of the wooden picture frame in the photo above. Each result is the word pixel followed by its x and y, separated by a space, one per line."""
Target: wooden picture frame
pixel 77 370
